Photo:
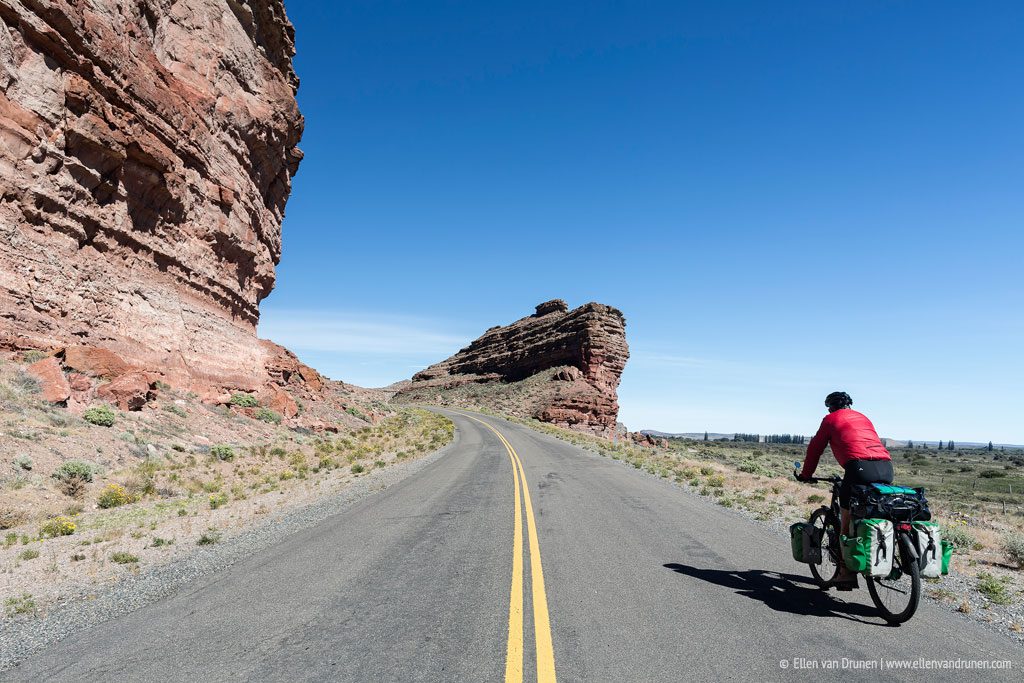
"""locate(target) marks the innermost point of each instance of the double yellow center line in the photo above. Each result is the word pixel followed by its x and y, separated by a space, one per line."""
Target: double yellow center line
pixel 541 620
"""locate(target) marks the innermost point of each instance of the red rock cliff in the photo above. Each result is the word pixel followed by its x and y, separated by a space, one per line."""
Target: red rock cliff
pixel 586 345
pixel 146 154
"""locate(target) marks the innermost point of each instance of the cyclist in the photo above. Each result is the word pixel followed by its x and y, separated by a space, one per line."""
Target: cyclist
pixel 860 452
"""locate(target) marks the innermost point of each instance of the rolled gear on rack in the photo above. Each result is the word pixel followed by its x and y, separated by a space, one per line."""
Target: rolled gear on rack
pixel 885 501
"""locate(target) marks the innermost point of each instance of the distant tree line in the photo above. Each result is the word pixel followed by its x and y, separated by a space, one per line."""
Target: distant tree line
pixel 785 438
pixel 755 438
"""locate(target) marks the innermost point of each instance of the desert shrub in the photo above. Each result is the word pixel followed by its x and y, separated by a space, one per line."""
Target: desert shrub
pixel 209 537
pixel 160 542
pixel 716 481
pixel 706 471
pixel 175 410
pixel 995 588
pixel 355 412
pixel 268 415
pixel 326 463
pixel 218 500
pixel 26 383
pixel 1013 548
pixel 29 554
pixel 58 526
pixel 222 452
pixel 357 468
pixel 11 516
pixel 122 557
pixel 73 486
pixel 815 498
pixel 112 496
pixel 992 474
pixel 244 400
pixel 22 604
pixel 10 539
pixel 74 468
pixel 33 356
pixel 22 462
pixel 958 535
pixel 99 415
pixel 286 475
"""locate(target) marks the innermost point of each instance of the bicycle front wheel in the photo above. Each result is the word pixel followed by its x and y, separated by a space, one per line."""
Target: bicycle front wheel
pixel 827 527
pixel 897 596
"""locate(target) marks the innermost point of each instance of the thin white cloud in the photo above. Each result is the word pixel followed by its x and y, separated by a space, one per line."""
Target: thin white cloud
pixel 358 333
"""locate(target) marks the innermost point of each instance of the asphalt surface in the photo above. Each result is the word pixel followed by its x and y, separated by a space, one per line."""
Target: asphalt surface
pixel 641 581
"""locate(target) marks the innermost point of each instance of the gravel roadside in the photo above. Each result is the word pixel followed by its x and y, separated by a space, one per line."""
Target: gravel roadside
pixel 21 637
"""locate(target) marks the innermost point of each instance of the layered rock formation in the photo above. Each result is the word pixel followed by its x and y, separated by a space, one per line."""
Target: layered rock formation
pixel 146 154
pixel 557 365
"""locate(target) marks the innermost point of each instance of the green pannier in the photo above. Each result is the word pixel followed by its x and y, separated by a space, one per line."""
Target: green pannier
pixel 928 539
pixel 805 543
pixel 947 555
pixel 870 550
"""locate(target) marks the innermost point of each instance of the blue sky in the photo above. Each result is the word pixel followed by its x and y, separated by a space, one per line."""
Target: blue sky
pixel 783 198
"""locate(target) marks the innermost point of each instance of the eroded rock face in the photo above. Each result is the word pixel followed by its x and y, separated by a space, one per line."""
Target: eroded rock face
pixel 560 366
pixel 146 154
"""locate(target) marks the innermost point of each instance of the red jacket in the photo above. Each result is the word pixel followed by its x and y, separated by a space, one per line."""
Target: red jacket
pixel 852 437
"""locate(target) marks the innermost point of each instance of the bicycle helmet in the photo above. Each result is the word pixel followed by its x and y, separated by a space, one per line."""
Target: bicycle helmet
pixel 838 400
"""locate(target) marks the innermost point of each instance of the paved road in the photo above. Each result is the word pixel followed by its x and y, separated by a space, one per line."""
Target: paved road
pixel 640 582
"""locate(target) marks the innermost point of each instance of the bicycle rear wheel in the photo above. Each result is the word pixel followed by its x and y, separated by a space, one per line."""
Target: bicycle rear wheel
pixel 897 596
pixel 831 555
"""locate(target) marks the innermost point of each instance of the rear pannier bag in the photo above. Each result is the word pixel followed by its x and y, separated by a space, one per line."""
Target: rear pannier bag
pixel 884 501
pixel 805 542
pixel 869 551
pixel 929 548
pixel 947 555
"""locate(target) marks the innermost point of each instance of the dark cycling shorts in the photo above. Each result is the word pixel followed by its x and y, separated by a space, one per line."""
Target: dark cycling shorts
pixel 863 472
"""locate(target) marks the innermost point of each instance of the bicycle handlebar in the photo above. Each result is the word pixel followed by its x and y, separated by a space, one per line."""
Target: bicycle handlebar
pixel 814 480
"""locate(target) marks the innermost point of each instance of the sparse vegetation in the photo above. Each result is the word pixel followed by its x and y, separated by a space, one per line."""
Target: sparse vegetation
pixel 209 537
pixel 74 468
pixel 22 462
pixel 222 452
pixel 267 415
pixel 218 500
pixel 101 415
pixel 122 557
pixel 175 410
pixel 21 604
pixel 1013 548
pixel 58 526
pixel 994 588
pixel 358 469
pixel 244 400
pixel 28 554
pixel 11 516
pixel 113 495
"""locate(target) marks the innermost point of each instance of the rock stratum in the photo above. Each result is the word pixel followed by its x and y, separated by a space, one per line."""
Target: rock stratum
pixel 557 365
pixel 146 155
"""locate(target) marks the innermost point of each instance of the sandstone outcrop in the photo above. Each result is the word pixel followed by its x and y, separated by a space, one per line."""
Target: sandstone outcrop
pixel 146 154
pixel 557 365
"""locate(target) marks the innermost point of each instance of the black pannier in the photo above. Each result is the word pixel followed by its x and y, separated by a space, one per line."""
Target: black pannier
pixel 884 501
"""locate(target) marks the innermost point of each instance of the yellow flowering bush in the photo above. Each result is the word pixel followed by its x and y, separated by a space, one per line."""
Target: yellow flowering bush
pixel 58 526
pixel 114 495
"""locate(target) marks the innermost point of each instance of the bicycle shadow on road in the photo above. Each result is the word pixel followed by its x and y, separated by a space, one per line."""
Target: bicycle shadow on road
pixel 783 592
